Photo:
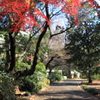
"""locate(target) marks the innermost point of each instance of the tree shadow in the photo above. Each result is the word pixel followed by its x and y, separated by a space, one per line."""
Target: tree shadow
pixel 67 95
pixel 67 82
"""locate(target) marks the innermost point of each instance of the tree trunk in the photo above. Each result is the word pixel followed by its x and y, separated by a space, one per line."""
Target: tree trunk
pixel 69 71
pixel 50 70
pixel 1 96
pixel 32 70
pixel 48 63
pixel 12 51
pixel 89 76
pixel 33 67
pixel 7 44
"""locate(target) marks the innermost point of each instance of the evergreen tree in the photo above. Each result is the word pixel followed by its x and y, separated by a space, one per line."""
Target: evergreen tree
pixel 84 47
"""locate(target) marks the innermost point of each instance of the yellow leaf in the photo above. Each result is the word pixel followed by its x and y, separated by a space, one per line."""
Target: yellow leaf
pixel 69 0
pixel 28 1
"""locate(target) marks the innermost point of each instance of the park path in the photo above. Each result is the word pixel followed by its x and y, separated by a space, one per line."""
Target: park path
pixel 66 90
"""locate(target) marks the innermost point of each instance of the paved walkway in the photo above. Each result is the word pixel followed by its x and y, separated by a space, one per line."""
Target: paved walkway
pixel 66 90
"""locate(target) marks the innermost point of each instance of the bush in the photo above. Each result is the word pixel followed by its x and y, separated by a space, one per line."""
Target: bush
pixel 2 65
pixel 26 85
pixel 20 65
pixel 40 81
pixel 83 76
pixel 90 90
pixel 55 76
pixel 7 89
pixel 36 81
pixel 96 76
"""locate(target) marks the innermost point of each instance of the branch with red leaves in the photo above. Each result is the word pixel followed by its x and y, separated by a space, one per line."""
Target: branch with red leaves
pixel 24 12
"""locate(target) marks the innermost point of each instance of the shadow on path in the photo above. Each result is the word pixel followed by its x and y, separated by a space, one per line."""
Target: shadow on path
pixel 67 82
pixel 66 90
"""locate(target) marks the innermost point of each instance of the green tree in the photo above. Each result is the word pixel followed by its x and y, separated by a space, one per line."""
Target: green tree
pixel 84 47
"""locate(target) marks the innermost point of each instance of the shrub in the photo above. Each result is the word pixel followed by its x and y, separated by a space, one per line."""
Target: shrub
pixel 83 76
pixel 40 67
pixel 55 76
pixel 40 81
pixel 90 90
pixel 26 85
pixel 36 81
pixel 7 89
pixel 96 76
pixel 20 65
pixel 2 65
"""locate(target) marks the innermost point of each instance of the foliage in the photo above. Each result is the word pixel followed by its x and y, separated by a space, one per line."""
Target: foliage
pixel 20 65
pixel 22 15
pixel 26 84
pixel 90 90
pixel 55 76
pixel 29 14
pixel 21 42
pixel 40 81
pixel 40 67
pixel 44 47
pixel 7 86
pixel 84 47
pixel 37 81
pixel 2 65
pixel 96 77
pixel 83 76
pixel 20 8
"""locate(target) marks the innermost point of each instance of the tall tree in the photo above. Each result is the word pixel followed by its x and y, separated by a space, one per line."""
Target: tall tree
pixel 24 14
pixel 84 47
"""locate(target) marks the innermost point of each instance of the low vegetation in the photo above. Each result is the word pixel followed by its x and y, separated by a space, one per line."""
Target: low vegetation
pixel 35 82
pixel 90 90
pixel 7 89
pixel 55 76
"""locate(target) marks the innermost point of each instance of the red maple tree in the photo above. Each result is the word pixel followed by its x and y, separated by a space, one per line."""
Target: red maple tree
pixel 24 12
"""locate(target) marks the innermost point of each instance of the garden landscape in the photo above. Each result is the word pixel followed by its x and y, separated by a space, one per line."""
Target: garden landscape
pixel 49 49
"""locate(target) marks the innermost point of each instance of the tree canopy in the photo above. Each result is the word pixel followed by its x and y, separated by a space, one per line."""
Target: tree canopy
pixel 23 13
pixel 84 47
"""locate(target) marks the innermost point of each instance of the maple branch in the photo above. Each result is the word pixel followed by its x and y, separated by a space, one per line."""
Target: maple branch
pixel 33 67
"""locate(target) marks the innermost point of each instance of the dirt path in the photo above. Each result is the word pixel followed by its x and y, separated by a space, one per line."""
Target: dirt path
pixel 66 90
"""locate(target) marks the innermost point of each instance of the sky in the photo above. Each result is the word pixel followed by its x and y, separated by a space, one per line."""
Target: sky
pixel 98 1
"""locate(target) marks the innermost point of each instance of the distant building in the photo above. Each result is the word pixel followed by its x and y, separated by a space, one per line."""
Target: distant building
pixel 75 74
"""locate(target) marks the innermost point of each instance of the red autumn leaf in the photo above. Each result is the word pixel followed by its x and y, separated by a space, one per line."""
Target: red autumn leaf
pixel 19 11
pixel 30 57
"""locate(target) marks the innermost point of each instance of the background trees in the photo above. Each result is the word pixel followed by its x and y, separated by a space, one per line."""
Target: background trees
pixel 84 47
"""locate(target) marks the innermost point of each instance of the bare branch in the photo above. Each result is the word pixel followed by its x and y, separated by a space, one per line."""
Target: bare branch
pixel 61 31
pixel 50 61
